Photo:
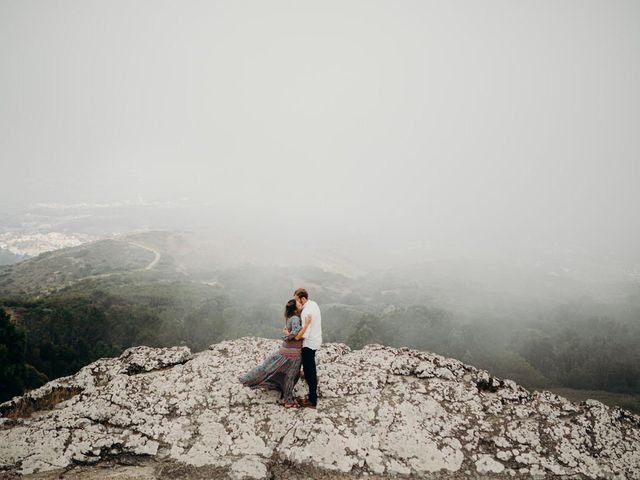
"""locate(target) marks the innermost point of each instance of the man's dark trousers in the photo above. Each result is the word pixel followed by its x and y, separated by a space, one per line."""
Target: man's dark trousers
pixel 309 367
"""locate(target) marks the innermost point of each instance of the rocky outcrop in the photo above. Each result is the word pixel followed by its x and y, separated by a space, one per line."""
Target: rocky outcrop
pixel 382 412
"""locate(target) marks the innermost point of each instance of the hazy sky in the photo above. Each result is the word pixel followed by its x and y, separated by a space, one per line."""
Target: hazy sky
pixel 477 120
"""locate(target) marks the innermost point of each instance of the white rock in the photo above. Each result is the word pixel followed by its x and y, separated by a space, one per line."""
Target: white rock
pixel 382 411
pixel 486 464
pixel 248 467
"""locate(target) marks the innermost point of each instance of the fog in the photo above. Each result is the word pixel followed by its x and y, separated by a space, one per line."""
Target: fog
pixel 457 177
pixel 405 126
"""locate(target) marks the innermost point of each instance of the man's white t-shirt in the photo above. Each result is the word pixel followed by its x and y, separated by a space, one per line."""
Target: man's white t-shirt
pixel 313 336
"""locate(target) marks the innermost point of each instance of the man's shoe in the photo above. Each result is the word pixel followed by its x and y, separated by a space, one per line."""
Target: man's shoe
pixel 304 402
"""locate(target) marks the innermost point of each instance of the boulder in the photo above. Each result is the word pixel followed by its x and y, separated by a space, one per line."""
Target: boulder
pixel 382 412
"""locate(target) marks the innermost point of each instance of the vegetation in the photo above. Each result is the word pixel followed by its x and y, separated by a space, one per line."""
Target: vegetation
pixel 16 375
pixel 7 257
pixel 56 333
pixel 51 271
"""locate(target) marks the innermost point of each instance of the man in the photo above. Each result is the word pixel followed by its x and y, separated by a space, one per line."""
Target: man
pixel 312 339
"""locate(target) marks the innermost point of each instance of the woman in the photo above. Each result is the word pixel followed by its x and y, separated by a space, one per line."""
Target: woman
pixel 281 370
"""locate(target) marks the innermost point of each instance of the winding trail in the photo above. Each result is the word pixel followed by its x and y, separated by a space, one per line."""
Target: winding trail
pixel 155 261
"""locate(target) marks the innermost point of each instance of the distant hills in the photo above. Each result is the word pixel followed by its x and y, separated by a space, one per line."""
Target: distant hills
pixel 52 271
pixel 577 328
pixel 8 258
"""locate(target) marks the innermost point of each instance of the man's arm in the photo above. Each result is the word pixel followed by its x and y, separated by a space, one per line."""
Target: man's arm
pixel 303 333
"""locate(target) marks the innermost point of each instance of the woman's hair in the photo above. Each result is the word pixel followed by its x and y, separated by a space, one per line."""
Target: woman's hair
pixel 290 308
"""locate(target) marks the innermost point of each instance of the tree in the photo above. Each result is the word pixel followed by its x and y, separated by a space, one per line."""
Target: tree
pixel 368 330
pixel 15 374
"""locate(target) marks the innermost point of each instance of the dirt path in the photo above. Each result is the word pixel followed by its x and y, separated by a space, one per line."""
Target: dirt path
pixel 155 261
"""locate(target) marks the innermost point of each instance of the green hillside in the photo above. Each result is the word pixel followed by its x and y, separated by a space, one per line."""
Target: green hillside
pixel 142 290
pixel 52 271
pixel 8 258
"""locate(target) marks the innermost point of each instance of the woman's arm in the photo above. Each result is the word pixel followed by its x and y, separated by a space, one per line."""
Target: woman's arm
pixel 295 328
pixel 307 322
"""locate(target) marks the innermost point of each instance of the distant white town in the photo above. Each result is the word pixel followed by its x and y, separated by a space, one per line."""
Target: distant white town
pixel 33 244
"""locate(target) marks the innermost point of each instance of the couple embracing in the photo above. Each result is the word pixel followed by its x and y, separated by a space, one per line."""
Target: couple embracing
pixel 302 336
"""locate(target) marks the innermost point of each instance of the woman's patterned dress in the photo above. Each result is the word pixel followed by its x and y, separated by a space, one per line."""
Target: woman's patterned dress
pixel 281 370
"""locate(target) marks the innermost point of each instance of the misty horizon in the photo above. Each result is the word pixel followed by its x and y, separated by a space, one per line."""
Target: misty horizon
pixel 510 125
